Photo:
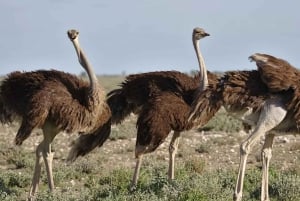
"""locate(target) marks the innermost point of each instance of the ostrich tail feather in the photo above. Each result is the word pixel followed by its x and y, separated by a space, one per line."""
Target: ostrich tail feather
pixel 6 115
pixel 87 142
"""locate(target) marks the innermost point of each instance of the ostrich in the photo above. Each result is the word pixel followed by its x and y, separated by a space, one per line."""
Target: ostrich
pixel 267 98
pixel 162 101
pixel 56 101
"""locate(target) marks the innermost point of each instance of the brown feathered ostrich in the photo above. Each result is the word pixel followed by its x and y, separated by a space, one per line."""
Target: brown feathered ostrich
pixel 162 101
pixel 268 99
pixel 56 101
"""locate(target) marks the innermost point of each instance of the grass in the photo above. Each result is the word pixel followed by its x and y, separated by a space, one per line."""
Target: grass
pixel 190 185
pixel 125 130
pixel 84 180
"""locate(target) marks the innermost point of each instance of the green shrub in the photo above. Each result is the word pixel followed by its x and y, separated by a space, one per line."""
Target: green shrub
pixel 19 158
pixel 285 186
pixel 223 122
pixel 203 148
pixel 192 182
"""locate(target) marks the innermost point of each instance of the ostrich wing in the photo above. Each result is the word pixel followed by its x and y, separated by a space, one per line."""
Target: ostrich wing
pixel 280 77
pixel 276 73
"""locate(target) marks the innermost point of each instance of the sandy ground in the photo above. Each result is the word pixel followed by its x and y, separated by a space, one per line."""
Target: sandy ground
pixel 217 150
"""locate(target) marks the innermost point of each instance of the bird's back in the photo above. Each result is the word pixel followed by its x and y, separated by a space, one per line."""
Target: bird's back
pixel 241 89
pixel 235 90
pixel 138 89
pixel 142 86
pixel 21 90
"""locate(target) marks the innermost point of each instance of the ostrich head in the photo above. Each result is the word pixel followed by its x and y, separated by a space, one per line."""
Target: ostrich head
pixel 72 34
pixel 199 33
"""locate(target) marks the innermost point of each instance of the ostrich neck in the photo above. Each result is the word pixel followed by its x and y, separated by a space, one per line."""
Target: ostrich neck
pixel 203 73
pixel 86 65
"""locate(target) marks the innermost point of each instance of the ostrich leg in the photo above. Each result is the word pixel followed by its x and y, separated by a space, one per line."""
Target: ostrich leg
pixel 37 172
pixel 245 149
pixel 43 151
pixel 23 132
pixel 139 159
pixel 172 152
pixel 48 158
pixel 266 157
pixel 271 115
pixel 49 133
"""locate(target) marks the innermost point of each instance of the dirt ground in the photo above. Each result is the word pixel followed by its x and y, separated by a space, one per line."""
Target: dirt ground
pixel 216 149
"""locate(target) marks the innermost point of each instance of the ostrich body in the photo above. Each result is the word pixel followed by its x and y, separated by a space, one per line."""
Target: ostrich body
pixel 137 89
pixel 267 99
pixel 162 101
pixel 55 101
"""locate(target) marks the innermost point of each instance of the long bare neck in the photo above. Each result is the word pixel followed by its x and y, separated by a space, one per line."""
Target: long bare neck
pixel 86 65
pixel 203 73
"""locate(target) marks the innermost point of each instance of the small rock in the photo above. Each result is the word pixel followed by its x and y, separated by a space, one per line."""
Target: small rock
pixel 72 182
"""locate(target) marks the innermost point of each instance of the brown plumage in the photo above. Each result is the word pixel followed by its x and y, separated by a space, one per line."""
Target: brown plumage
pixel 267 99
pixel 276 73
pixel 280 76
pixel 165 111
pixel 136 90
pixel 236 90
pixel 47 96
pixel 56 101
pixel 162 101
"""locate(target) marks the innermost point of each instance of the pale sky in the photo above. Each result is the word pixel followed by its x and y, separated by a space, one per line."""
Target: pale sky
pixel 135 36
